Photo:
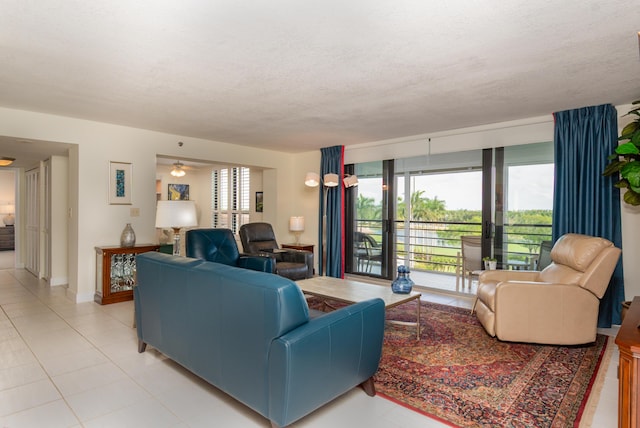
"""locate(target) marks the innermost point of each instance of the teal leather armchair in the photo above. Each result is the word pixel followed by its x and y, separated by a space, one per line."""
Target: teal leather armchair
pixel 219 245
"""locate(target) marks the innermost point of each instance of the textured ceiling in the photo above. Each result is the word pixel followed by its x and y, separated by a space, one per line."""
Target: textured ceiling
pixel 299 75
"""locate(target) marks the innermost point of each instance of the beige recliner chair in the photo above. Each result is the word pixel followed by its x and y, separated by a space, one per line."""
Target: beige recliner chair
pixel 558 305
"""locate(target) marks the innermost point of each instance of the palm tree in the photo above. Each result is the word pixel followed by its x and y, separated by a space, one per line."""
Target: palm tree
pixel 427 209
pixel 367 209
pixel 422 208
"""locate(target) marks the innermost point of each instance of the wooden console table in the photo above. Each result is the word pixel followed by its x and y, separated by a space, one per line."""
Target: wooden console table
pixel 303 247
pixel 628 341
pixel 7 238
pixel 116 272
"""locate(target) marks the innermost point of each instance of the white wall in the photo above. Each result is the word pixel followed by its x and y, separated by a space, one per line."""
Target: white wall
pixel 93 221
pixel 58 227
pixel 256 180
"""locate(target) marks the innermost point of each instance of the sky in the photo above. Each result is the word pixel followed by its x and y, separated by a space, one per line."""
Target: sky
pixel 530 187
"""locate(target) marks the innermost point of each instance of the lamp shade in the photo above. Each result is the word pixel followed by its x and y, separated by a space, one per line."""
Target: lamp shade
pixel 176 214
pixel 312 179
pixel 7 209
pixel 331 180
pixel 296 224
pixel 350 181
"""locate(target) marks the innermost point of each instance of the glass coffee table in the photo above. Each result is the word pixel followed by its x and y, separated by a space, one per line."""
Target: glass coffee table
pixel 348 291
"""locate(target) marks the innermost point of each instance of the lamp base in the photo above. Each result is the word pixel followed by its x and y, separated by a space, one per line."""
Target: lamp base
pixel 297 234
pixel 176 241
pixel 9 220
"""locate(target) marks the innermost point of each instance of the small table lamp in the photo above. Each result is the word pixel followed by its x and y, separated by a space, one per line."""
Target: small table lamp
pixel 9 219
pixel 176 215
pixel 296 225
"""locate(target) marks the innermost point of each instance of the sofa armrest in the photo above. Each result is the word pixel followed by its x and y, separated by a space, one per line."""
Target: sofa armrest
pixel 259 263
pixel 322 359
pixel 545 313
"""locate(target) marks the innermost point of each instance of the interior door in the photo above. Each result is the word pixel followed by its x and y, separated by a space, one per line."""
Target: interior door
pixel 32 221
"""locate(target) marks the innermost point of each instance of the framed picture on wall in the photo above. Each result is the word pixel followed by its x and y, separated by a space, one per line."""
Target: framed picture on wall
pixel 259 203
pixel 119 183
pixel 178 192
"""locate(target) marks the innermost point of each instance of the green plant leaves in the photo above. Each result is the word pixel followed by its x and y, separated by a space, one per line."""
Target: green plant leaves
pixel 632 198
pixel 631 171
pixel 628 130
pixel 626 160
pixel 627 149
pixel 614 167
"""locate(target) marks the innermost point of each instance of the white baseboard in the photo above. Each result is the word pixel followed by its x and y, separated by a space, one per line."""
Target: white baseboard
pixel 54 282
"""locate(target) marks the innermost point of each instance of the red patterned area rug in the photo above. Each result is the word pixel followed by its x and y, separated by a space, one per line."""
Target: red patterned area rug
pixel 458 374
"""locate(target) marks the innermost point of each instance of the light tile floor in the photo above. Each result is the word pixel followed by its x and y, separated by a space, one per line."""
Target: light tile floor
pixel 76 365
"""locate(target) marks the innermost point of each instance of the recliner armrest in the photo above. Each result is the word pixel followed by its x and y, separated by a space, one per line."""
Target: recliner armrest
pixel 500 275
pixel 259 263
pixel 295 256
pixel 300 256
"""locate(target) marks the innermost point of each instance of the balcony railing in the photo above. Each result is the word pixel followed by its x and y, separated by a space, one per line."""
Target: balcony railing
pixel 434 245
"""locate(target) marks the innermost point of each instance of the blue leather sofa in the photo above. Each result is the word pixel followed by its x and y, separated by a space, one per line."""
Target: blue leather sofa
pixel 249 334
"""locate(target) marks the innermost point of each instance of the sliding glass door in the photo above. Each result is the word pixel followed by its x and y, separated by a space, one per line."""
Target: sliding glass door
pixel 369 213
pixel 414 211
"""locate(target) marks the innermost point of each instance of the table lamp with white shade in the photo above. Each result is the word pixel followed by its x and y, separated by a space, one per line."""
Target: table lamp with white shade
pixel 176 215
pixel 296 225
pixel 9 210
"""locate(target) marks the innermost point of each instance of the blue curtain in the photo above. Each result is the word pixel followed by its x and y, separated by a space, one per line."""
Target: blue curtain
pixel 332 161
pixel 585 201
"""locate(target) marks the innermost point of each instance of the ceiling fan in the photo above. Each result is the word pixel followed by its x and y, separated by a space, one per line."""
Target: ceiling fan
pixel 179 169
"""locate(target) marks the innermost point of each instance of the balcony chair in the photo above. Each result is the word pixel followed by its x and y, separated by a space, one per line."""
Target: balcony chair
pixel 469 259
pixel 543 258
pixel 259 238
pixel 367 251
pixel 558 305
pixel 219 245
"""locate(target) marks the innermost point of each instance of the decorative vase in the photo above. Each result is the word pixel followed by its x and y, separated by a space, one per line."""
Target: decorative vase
pixel 128 236
pixel 402 284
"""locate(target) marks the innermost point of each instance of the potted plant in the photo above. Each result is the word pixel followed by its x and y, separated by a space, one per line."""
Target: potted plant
pixel 625 159
pixel 489 263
